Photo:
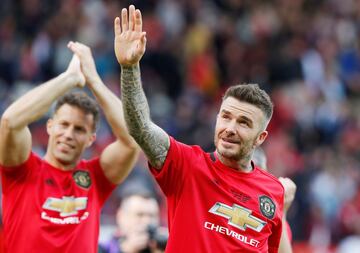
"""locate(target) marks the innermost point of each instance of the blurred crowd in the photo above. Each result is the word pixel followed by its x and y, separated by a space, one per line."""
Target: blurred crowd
pixel 306 53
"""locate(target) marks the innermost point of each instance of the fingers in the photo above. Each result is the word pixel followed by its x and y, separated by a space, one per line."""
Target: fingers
pixel 130 21
pixel 143 42
pixel 138 21
pixel 79 49
pixel 131 17
pixel 74 60
pixel 73 47
pixel 117 28
pixel 124 20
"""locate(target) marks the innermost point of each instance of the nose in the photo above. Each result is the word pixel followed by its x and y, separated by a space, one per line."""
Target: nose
pixel 69 133
pixel 230 128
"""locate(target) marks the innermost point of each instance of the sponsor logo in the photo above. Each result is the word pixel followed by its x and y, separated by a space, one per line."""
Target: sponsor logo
pixel 267 206
pixel 238 216
pixel 225 231
pixel 82 178
pixel 66 206
pixel 67 220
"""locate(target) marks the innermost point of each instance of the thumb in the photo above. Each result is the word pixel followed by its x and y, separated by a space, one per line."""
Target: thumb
pixel 142 44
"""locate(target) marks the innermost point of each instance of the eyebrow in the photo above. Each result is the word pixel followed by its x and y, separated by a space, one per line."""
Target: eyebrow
pixel 224 111
pixel 246 119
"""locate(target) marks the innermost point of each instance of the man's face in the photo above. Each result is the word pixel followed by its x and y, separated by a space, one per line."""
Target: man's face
pixel 70 133
pixel 240 127
pixel 136 214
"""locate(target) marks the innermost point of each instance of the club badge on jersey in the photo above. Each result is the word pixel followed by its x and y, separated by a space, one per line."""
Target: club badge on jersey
pixel 82 178
pixel 267 206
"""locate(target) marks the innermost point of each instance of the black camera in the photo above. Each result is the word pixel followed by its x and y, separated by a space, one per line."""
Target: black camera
pixel 158 236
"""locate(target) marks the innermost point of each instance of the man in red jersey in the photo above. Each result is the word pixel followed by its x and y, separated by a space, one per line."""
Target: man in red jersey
pixel 219 202
pixel 52 204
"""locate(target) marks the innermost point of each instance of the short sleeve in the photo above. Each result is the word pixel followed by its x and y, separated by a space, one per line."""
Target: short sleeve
pixel 172 175
pixel 11 176
pixel 274 239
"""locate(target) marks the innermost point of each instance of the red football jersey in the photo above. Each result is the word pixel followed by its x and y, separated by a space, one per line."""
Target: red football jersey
pixel 47 210
pixel 214 208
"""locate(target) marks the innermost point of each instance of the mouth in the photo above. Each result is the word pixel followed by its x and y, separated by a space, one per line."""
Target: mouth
pixel 231 141
pixel 65 146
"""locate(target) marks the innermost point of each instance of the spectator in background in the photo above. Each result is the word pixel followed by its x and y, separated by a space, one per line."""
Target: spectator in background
pixel 138 229
pixel 259 158
pixel 52 204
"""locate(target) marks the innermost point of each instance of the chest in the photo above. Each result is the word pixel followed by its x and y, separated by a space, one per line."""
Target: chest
pixel 246 203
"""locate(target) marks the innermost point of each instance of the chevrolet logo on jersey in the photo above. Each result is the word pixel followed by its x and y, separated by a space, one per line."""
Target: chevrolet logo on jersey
pixel 238 216
pixel 66 206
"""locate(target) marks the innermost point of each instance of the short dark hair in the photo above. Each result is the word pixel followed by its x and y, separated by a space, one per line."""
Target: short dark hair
pixel 82 101
pixel 252 94
pixel 144 194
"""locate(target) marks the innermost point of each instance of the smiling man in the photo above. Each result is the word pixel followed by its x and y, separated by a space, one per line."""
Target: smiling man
pixel 219 202
pixel 52 204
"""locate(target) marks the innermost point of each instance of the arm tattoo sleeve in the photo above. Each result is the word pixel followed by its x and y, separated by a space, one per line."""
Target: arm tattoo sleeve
pixel 151 138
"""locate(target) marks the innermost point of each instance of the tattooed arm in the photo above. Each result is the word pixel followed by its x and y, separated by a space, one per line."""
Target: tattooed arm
pixel 151 138
pixel 129 46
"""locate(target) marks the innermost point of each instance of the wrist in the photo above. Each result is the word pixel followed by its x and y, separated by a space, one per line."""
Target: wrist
pixel 70 78
pixel 135 66
pixel 94 81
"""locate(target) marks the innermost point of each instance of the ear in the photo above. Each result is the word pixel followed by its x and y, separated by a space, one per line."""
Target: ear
pixel 49 125
pixel 92 138
pixel 261 138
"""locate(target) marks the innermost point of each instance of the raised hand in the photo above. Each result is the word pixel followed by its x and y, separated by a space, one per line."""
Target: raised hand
pixel 130 40
pixel 87 63
pixel 74 70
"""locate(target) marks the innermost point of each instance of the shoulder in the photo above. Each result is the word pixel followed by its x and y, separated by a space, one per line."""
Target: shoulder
pixel 271 180
pixel 90 164
pixel 186 149
pixel 35 158
pixel 32 161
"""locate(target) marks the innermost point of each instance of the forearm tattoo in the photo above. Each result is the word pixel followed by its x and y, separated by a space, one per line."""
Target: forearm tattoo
pixel 151 138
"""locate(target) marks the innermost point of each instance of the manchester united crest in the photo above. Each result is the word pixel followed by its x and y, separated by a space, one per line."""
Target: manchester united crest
pixel 267 206
pixel 82 178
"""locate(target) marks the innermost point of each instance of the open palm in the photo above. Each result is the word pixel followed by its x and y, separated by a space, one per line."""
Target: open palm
pixel 130 40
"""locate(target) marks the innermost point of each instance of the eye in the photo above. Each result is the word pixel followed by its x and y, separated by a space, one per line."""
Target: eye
pixel 64 124
pixel 225 116
pixel 244 123
pixel 80 129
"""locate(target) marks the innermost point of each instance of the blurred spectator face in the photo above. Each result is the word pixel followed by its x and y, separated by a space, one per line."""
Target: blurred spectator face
pixel 239 129
pixel 70 133
pixel 136 213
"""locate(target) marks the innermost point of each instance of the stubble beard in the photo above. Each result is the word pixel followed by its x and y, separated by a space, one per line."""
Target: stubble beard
pixel 242 152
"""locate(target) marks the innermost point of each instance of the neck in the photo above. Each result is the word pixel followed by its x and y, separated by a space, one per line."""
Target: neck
pixel 57 164
pixel 242 165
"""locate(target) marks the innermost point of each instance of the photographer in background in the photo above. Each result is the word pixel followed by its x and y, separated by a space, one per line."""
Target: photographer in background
pixel 138 228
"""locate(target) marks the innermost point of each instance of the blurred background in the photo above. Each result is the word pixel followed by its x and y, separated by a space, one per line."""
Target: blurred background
pixel 305 53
